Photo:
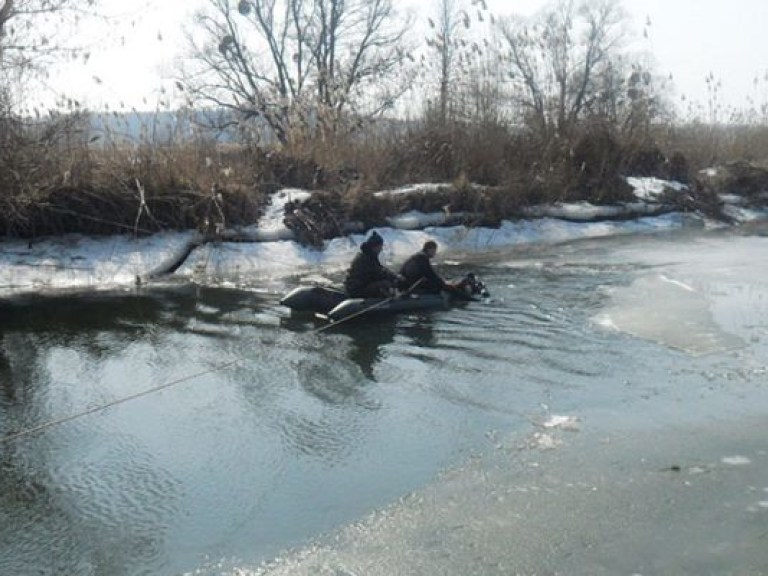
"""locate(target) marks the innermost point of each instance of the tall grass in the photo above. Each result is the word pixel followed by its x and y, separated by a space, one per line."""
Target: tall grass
pixel 58 175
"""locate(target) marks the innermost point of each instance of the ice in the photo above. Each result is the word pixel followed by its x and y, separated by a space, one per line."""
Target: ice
pixel 702 297
pixel 668 311
pixel 737 461
pixel 562 422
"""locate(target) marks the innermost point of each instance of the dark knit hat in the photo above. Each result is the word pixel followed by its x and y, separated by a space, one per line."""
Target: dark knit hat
pixel 375 239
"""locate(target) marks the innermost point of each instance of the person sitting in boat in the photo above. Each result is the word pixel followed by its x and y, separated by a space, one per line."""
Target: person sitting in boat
pixel 367 277
pixel 419 275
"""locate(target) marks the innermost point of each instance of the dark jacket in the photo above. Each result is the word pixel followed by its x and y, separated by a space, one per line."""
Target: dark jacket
pixel 418 267
pixel 364 270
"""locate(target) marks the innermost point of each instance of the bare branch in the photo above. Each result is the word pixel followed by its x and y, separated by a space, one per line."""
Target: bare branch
pixel 558 63
pixel 298 61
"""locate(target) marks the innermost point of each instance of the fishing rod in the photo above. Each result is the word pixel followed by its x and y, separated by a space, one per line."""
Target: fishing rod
pixel 370 308
pixel 59 421
pixel 52 423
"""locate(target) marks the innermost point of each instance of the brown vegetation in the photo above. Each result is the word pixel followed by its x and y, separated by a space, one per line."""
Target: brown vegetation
pixel 54 181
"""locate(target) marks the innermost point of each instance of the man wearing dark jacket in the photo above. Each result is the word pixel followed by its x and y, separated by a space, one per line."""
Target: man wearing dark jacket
pixel 419 275
pixel 367 277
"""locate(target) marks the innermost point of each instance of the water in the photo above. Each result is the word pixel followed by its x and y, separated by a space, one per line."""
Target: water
pixel 384 448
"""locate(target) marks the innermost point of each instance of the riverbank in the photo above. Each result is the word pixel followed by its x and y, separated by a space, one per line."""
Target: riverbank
pixel 253 257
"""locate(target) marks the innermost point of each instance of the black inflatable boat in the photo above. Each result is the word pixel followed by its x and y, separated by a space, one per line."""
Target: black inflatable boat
pixel 335 305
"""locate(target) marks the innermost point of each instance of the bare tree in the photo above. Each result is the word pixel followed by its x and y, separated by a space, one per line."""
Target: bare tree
pixel 556 61
pixel 445 28
pixel 299 62
pixel 458 39
pixel 32 32
pixel 35 34
pixel 632 98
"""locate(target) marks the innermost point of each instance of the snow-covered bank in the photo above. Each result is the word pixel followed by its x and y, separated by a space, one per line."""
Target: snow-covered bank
pixel 78 262
pixel 82 263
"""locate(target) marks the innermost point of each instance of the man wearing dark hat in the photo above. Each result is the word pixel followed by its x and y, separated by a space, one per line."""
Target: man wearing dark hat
pixel 420 275
pixel 367 277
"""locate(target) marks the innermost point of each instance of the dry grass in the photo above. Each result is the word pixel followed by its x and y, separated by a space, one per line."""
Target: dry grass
pixel 53 180
pixel 705 145
pixel 56 182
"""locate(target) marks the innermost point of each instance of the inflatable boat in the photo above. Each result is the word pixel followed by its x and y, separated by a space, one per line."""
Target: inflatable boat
pixel 334 304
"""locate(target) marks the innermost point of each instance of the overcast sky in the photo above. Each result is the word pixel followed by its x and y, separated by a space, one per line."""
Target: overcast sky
pixel 688 38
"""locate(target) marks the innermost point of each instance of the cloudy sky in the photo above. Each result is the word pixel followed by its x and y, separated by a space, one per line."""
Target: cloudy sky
pixel 688 39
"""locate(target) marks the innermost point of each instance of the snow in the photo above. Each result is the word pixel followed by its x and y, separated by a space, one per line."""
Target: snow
pixel 649 189
pixel 742 214
pixel 415 219
pixel 78 262
pixel 585 211
pixel 121 262
pixel 270 227
pixel 736 461
pixel 273 215
pixel 562 422
pixel 412 189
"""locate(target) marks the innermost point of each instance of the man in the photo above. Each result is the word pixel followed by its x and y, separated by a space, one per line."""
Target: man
pixel 419 275
pixel 367 277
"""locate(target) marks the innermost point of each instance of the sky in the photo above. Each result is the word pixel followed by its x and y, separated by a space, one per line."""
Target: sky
pixel 688 39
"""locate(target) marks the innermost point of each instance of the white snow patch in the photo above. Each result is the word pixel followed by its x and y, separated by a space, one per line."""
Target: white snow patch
pixel 562 422
pixel 275 211
pixel 413 189
pixel 736 460
pixel 649 189
pixel 415 220
pixel 76 262
pixel 545 441
pixel 575 211
pixel 732 199
pixel 742 214
pixel 605 321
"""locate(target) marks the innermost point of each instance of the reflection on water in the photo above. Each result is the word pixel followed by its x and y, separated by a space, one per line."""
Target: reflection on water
pixel 421 332
pixel 363 339
pixel 305 430
pixel 367 342
pixel 7 388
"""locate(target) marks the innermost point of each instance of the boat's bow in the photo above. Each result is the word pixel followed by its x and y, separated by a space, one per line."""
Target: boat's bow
pixel 314 299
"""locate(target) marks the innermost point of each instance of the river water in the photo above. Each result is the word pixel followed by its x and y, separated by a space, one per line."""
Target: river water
pixel 604 412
